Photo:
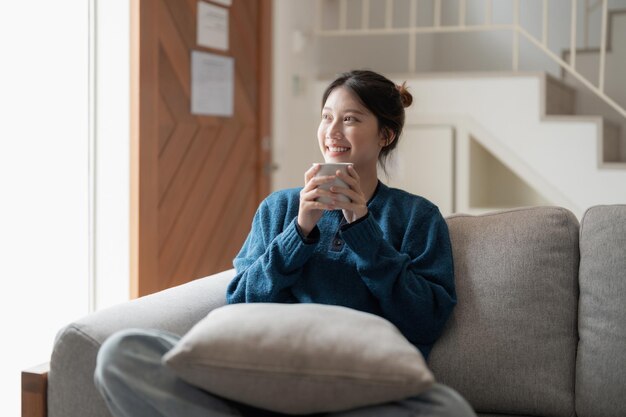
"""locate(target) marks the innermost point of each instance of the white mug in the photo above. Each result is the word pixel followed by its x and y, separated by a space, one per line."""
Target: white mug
pixel 331 169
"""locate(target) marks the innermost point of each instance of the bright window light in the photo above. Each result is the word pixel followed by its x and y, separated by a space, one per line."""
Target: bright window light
pixel 43 181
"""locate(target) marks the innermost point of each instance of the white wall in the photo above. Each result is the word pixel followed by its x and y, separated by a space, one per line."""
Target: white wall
pixel 423 164
pixel 296 109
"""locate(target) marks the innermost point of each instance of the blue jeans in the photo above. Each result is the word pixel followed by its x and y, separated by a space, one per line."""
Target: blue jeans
pixel 134 383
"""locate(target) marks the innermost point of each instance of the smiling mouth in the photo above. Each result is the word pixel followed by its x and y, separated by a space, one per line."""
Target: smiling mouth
pixel 337 149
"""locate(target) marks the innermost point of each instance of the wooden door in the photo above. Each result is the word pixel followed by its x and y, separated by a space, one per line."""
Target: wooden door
pixel 196 180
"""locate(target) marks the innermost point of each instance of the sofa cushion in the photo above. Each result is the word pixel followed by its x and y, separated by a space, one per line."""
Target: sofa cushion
pixel 510 344
pixel 601 361
pixel 300 358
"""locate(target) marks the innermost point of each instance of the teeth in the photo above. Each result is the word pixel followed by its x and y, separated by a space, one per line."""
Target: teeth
pixel 337 149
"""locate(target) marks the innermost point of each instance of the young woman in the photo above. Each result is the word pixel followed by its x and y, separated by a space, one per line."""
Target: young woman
pixel 385 252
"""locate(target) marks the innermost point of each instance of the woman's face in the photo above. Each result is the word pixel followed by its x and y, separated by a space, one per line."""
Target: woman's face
pixel 348 131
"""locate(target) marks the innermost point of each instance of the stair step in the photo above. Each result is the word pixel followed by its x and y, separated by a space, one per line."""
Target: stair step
pixel 613 139
pixel 614 148
pixel 613 165
pixel 560 98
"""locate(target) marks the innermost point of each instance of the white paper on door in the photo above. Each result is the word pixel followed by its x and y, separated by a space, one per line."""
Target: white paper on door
pixel 212 84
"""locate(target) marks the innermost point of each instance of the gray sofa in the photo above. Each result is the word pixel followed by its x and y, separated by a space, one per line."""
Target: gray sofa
pixel 539 329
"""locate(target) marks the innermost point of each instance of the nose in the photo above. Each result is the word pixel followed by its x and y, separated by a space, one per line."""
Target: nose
pixel 334 130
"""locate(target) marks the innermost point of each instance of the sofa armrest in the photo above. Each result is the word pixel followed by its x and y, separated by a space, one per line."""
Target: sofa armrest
pixel 71 391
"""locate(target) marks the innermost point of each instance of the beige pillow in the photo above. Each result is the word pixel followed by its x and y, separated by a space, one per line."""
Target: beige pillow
pixel 300 358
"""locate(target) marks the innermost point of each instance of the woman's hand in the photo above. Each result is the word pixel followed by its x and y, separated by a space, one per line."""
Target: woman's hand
pixel 357 207
pixel 310 210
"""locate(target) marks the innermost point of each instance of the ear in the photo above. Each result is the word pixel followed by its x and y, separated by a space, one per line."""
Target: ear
pixel 386 137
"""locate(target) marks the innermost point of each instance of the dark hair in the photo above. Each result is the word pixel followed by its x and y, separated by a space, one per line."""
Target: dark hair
pixel 382 97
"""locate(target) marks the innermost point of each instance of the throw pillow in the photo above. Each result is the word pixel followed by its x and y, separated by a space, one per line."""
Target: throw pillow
pixel 299 358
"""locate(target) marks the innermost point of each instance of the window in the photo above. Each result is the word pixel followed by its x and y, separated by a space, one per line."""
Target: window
pixel 45 181
pixel 44 212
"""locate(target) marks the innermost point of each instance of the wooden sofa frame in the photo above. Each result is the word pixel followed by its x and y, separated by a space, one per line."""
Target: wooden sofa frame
pixel 35 391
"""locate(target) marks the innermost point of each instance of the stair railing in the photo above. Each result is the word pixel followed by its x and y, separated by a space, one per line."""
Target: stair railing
pixel 487 26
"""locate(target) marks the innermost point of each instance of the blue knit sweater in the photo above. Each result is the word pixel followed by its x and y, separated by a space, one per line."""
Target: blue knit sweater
pixel 395 262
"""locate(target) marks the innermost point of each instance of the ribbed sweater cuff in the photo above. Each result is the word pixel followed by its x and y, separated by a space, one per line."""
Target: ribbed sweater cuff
pixel 294 250
pixel 363 237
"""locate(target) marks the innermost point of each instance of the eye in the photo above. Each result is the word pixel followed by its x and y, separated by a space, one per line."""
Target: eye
pixel 350 119
pixel 325 116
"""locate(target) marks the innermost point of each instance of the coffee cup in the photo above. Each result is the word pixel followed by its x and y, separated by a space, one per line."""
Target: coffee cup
pixel 327 169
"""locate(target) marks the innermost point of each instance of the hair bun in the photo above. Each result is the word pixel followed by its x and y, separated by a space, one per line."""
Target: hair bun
pixel 405 97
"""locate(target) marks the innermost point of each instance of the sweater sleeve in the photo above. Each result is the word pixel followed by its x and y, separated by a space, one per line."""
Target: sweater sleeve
pixel 269 263
pixel 415 286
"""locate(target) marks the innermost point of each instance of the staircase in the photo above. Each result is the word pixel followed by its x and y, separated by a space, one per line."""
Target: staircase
pixel 504 139
pixel 615 81
pixel 524 120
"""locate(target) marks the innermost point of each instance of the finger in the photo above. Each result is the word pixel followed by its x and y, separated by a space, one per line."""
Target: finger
pixel 347 205
pixel 317 181
pixel 348 179
pixel 313 183
pixel 314 204
pixel 318 205
pixel 354 185
pixel 353 195
pixel 310 173
pixel 358 210
pixel 316 193
pixel 353 173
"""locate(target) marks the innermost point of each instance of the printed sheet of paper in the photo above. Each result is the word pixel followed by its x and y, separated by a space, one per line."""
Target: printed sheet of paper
pixel 212 84
pixel 212 26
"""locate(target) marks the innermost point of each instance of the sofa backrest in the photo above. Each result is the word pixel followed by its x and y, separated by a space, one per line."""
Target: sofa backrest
pixel 601 361
pixel 510 345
